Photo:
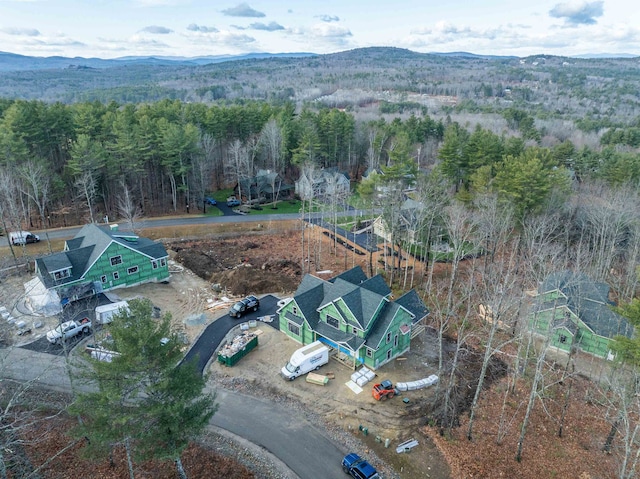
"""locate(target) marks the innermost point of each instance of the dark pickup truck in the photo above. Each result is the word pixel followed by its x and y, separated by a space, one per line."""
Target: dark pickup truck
pixel 250 303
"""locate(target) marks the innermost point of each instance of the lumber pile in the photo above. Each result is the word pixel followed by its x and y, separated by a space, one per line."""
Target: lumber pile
pixel 319 379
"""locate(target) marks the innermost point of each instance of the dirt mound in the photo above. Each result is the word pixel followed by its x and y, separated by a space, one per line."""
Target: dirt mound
pixel 258 264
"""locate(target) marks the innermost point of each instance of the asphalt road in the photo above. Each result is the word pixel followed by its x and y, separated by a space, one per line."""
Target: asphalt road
pixel 229 217
pixel 284 433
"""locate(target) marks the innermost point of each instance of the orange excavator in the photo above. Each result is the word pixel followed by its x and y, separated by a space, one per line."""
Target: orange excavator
pixel 383 390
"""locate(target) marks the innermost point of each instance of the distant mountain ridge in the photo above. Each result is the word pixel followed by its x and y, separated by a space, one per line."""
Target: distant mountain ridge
pixel 14 62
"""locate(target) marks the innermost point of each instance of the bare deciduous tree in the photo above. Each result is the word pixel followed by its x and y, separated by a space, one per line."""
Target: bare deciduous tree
pixel 36 182
pixel 128 207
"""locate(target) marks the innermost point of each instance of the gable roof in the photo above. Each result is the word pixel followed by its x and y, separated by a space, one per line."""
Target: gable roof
pixel 86 247
pixel 412 303
pixel 366 299
pixel 587 299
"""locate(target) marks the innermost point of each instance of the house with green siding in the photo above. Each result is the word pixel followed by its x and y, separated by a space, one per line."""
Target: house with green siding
pixel 354 315
pixel 102 258
pixel 576 312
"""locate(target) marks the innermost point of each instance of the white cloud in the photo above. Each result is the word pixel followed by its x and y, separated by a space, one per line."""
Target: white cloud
pixel 328 18
pixel 243 10
pixel 578 13
pixel 270 27
pixel 201 28
pixel 330 30
pixel 26 32
pixel 157 30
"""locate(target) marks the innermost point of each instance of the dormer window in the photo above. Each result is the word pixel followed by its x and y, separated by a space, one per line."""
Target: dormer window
pixel 331 321
pixel 62 274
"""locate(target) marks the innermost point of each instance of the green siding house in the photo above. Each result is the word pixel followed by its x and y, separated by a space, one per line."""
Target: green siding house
pixel 354 315
pixel 576 311
pixel 99 259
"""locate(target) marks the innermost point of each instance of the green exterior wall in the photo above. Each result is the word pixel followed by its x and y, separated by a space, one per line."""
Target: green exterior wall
pixel 102 267
pixel 562 338
pixel 379 355
pixel 130 258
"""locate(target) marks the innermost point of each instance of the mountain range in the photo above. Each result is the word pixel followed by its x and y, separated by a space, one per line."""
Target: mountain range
pixel 13 62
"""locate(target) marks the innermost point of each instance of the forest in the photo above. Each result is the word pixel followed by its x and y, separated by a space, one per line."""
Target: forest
pixel 533 162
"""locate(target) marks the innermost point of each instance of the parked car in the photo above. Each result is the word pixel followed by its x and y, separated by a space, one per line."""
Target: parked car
pixel 357 467
pixel 210 201
pixel 250 303
pixel 233 201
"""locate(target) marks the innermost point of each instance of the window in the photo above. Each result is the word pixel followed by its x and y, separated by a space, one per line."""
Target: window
pixel 154 264
pixel 163 262
pixel 354 330
pixel 103 278
pixel 331 321
pixel 294 310
pixel 65 273
pixel 563 338
pixel 132 270
pixel 369 352
pixel 389 354
pixel 395 341
pixel 388 337
pixel 116 260
pixel 293 328
pixel 116 275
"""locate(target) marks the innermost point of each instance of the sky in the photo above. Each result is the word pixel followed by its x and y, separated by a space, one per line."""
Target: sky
pixel 188 28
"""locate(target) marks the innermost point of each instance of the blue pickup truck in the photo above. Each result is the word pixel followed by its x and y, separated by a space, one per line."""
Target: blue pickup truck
pixel 357 467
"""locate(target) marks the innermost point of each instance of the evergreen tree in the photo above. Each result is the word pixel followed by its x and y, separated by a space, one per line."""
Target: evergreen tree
pixel 143 399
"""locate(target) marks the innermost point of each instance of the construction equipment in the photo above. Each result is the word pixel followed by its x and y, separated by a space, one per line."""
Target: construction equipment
pixel 383 391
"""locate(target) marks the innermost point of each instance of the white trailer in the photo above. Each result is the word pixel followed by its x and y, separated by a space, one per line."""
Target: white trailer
pixel 306 359
pixel 104 314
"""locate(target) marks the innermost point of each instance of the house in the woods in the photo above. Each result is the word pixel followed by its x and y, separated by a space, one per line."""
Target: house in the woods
pixel 407 224
pixel 576 312
pixel 101 258
pixel 266 186
pixel 354 315
pixel 323 185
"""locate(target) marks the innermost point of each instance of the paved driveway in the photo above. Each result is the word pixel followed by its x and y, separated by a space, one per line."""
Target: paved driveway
pixel 212 336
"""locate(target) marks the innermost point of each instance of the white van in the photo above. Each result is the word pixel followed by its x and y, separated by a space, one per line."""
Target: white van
pixel 306 359
pixel 22 237
pixel 104 313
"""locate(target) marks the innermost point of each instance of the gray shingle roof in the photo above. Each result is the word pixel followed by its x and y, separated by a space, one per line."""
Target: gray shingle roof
pixel 365 298
pixel 587 299
pixel 379 329
pixel 354 275
pixel 87 246
pixel 412 302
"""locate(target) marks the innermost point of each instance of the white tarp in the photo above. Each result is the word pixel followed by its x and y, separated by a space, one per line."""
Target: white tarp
pixel 40 299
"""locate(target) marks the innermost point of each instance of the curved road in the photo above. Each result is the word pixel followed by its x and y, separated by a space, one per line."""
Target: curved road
pixel 285 433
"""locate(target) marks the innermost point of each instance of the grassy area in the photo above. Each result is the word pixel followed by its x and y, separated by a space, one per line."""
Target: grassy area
pixel 222 195
pixel 282 207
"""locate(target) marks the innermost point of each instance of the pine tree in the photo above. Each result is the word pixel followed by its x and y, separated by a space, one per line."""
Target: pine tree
pixel 144 398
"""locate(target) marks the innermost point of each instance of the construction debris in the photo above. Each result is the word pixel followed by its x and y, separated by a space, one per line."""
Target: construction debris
pixel 406 446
